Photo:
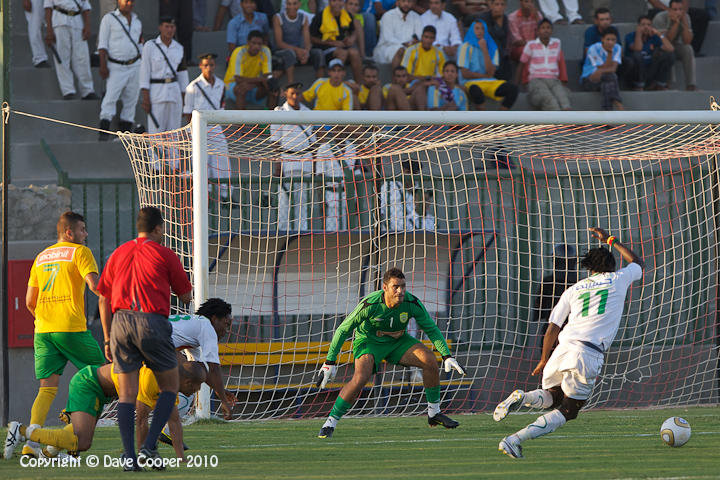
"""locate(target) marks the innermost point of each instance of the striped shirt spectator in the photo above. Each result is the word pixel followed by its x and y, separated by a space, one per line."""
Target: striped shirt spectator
pixel 544 70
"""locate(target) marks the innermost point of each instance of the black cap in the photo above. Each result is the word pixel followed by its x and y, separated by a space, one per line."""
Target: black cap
pixel 207 56
pixel 297 85
pixel 166 19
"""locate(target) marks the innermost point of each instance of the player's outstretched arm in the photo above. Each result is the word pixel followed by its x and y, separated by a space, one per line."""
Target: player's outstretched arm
pixel 329 368
pixel 627 254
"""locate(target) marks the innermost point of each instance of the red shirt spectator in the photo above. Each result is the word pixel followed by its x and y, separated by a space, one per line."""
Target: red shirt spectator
pixel 139 276
pixel 523 24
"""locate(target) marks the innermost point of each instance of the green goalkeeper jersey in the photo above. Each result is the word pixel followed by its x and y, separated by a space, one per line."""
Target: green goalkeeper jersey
pixel 372 318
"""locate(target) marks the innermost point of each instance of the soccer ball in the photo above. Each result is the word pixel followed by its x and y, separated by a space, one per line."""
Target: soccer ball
pixel 675 431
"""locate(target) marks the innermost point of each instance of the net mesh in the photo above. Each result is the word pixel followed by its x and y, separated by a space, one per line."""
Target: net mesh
pixel 487 223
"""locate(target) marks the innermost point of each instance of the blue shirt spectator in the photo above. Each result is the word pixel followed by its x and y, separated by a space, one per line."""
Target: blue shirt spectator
pixel 239 27
pixel 650 45
pixel 596 56
pixel 369 5
pixel 437 97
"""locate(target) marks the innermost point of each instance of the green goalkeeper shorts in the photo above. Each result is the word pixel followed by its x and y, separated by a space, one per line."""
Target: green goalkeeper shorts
pixel 391 352
pixel 85 393
pixel 54 349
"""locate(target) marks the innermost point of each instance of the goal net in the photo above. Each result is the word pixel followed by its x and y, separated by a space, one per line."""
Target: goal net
pixel 293 218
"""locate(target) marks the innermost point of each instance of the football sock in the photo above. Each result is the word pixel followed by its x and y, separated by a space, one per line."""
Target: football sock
pixel 340 408
pixel 60 437
pixel 432 394
pixel 544 424
pixel 538 399
pixel 41 405
pixel 161 413
pixel 126 424
pixel 433 409
pixel 330 422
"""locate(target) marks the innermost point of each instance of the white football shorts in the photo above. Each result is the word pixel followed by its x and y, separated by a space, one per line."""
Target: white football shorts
pixel 575 368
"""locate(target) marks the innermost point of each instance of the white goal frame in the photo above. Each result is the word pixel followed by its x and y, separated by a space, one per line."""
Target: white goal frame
pixel 201 119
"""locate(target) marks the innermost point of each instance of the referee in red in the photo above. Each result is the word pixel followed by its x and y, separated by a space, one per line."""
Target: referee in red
pixel 134 307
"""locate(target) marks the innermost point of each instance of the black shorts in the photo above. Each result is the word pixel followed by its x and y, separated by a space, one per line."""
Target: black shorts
pixel 137 337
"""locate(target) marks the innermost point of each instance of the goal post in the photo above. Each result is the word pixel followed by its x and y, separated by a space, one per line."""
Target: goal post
pixel 498 201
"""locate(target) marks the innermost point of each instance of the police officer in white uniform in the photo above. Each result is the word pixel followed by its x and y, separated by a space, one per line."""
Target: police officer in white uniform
pixel 34 14
pixel 119 41
pixel 334 159
pixel 207 92
pixel 295 144
pixel 68 28
pixel 163 79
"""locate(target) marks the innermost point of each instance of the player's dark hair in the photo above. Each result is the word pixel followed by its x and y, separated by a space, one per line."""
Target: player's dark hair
pixel 600 10
pixel 431 29
pixel 67 221
pixel 214 307
pixel 393 272
pixel 643 17
pixel 148 218
pixel 598 260
pixel 253 34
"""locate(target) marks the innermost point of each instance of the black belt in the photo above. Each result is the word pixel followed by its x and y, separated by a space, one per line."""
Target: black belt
pixel 304 151
pixel 69 13
pixel 126 62
pixel 591 345
pixel 163 80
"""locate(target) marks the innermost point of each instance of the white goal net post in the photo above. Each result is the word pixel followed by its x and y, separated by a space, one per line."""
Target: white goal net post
pixel 292 217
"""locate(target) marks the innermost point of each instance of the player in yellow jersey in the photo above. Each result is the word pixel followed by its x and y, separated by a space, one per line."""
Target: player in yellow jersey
pixel 330 93
pixel 90 389
pixel 56 298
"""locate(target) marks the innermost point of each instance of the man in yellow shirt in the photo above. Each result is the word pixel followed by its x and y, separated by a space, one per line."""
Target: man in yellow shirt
pixel 368 93
pixel 248 77
pixel 56 298
pixel 330 93
pixel 90 390
pixel 423 62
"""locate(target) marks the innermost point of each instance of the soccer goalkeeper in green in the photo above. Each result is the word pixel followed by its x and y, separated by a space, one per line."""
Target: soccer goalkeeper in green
pixel 380 323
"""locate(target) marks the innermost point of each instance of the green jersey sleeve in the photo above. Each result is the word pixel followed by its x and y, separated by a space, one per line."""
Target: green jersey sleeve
pixel 346 329
pixel 428 325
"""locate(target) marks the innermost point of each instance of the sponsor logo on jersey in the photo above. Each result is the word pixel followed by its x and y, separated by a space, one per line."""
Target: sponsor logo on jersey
pixel 57 254
pixel 404 317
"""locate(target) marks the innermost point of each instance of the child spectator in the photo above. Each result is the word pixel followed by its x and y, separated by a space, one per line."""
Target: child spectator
pixel 544 70
pixel 446 25
pixel 292 38
pixel 648 57
pixel 599 70
pixel 334 31
pixel 523 24
pixel 445 93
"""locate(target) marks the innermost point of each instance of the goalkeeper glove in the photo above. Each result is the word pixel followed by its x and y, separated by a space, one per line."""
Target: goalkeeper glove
pixel 325 374
pixel 452 364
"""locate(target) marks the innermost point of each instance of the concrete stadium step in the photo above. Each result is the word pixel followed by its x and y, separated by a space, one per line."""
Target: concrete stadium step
pixel 668 100
pixel 88 159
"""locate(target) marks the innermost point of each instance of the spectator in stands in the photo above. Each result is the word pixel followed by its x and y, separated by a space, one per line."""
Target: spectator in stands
pixel 163 79
pixel 423 61
pixel 372 11
pixel 68 28
pixel 334 31
pixel 200 16
pixel 496 24
pixel 599 73
pixel 234 8
pixel 649 57
pixel 674 24
pixel 353 8
pixel 523 24
pixel 34 14
pixel 397 202
pixel 248 77
pixel 182 12
pixel 699 19
pixel 292 38
pixel 119 48
pixel 247 21
pixel 399 94
pixel 368 93
pixel 467 11
pixel 551 10
pixel 294 143
pixel 445 93
pixel 544 70
pixel 446 25
pixel 594 33
pixel 478 61
pixel 330 93
pixel 399 28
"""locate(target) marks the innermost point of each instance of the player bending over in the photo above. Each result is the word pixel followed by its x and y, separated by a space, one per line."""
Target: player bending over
pixel 595 306
pixel 90 389
pixel 380 322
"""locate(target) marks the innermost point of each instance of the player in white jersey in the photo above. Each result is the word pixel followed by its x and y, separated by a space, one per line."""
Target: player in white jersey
pixel 595 307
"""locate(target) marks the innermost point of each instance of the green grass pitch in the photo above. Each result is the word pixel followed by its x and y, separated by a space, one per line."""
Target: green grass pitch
pixel 599 444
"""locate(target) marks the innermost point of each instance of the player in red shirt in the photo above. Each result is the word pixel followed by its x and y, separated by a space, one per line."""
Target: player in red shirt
pixel 134 307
